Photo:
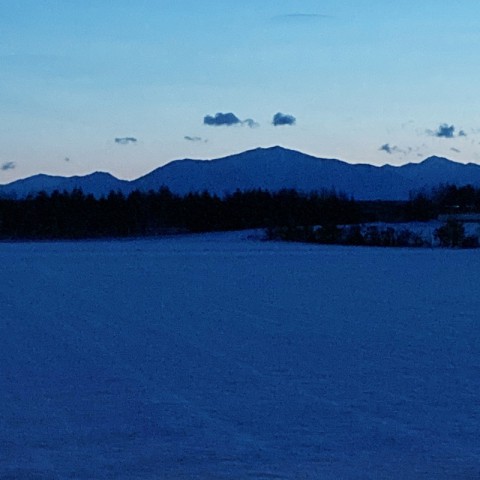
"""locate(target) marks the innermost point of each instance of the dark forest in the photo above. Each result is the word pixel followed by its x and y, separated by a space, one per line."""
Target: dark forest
pixel 74 215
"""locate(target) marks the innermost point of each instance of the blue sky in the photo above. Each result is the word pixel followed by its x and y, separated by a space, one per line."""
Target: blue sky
pixel 366 81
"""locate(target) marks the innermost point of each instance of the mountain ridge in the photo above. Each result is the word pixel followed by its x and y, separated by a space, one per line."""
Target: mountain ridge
pixel 271 168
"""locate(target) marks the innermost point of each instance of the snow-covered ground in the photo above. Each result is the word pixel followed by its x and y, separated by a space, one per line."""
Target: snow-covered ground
pixel 223 357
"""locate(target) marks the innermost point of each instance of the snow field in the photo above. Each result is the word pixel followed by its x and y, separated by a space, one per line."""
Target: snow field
pixel 221 357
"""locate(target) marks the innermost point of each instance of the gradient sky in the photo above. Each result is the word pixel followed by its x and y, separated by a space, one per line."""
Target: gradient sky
pixel 377 81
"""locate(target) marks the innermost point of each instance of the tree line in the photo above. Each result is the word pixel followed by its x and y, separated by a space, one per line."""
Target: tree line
pixel 448 200
pixel 71 215
pixel 429 204
pixel 76 215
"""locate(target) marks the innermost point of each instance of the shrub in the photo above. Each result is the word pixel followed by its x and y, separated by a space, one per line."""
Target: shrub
pixel 451 234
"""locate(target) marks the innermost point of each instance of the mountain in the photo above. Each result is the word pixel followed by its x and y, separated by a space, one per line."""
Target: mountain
pixel 98 184
pixel 268 168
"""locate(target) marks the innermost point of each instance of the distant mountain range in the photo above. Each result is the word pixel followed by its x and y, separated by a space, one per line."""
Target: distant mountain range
pixel 267 168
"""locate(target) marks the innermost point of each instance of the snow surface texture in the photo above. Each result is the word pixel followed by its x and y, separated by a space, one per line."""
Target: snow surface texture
pixel 220 357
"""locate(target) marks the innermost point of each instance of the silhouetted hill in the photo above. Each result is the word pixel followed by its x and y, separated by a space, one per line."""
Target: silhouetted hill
pixel 272 169
pixel 98 184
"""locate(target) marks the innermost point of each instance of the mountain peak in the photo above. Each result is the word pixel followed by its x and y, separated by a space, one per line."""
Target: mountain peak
pixel 97 174
pixel 434 160
pixel 276 149
pixel 273 148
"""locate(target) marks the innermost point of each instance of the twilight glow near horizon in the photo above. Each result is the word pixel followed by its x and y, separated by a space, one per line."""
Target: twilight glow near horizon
pixel 125 87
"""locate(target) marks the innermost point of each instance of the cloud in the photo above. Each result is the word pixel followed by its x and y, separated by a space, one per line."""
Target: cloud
pixel 194 139
pixel 388 148
pixel 250 123
pixel 8 166
pixel 456 150
pixel 125 140
pixel 228 120
pixel 393 149
pixel 283 119
pixel 222 119
pixel 446 131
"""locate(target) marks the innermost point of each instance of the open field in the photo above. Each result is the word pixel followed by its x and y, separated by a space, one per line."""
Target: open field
pixel 221 357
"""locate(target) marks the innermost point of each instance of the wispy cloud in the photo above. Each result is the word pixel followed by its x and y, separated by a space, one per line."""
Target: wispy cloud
pixel 394 149
pixel 390 149
pixel 8 166
pixel 125 140
pixel 194 139
pixel 280 119
pixel 446 131
pixel 250 123
pixel 227 120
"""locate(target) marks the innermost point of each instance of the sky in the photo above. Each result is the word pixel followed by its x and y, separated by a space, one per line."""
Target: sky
pixel 125 87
